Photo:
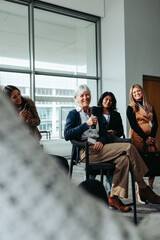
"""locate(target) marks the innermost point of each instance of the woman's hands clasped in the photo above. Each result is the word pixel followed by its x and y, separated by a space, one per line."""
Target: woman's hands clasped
pixel 98 146
pixel 150 141
pixel 112 131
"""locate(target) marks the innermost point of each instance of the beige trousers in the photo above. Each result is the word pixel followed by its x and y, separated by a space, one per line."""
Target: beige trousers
pixel 126 157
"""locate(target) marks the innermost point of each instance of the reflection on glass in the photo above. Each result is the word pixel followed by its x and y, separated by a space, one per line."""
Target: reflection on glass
pixel 14 40
pixel 64 44
pixel 20 80
pixel 55 98
pixel 64 113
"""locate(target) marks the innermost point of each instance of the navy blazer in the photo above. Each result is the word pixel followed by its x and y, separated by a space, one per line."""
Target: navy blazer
pixel 74 128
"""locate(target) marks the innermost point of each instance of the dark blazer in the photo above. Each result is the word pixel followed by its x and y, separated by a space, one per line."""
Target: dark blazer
pixel 115 123
pixel 74 128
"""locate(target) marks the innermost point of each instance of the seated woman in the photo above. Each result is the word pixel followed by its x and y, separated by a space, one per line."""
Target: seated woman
pixel 112 120
pixel 26 109
pixel 112 124
pixel 124 155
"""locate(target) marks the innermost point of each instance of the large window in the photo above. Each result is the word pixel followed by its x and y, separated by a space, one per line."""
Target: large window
pixel 64 44
pixel 14 40
pixel 47 54
pixel 20 80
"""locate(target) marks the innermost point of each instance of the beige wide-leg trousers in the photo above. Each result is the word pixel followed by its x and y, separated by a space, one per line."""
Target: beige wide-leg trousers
pixel 126 157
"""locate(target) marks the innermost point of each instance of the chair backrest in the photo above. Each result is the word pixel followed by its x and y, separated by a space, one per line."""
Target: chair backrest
pixel 91 169
pixel 62 161
pixel 101 169
pixel 75 155
pixel 95 188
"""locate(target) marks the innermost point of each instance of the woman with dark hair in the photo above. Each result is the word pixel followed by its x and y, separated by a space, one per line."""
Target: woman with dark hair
pixel 112 121
pixel 26 109
pixel 112 124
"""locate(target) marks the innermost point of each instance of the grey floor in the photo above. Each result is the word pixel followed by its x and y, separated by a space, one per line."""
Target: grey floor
pixel 142 210
pixel 62 148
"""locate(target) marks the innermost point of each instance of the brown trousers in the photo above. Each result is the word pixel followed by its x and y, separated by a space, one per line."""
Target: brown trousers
pixel 125 157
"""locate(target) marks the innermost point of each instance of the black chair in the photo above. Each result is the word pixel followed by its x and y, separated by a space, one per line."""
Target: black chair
pixel 62 161
pixel 152 160
pixel 95 188
pixel 97 169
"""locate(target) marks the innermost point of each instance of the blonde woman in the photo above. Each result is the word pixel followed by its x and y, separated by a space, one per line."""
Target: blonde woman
pixel 143 122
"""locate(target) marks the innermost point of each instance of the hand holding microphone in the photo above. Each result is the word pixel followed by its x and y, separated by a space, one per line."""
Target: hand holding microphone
pixel 94 110
pixel 92 121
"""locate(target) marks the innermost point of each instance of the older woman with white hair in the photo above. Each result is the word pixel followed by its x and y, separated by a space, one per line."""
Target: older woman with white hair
pixel 124 155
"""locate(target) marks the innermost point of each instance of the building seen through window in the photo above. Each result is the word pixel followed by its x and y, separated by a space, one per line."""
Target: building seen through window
pixel 65 54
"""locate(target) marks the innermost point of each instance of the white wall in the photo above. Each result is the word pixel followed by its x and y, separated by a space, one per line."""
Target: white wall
pixel 130 46
pixel 94 7
pixel 142 40
pixel 113 53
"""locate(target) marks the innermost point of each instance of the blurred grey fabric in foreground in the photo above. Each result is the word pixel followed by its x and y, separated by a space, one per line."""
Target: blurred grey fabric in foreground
pixel 39 202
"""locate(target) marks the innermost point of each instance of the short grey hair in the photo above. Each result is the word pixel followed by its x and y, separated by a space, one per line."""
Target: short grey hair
pixel 81 89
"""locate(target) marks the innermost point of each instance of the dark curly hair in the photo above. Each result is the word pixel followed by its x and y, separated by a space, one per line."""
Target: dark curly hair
pixel 114 101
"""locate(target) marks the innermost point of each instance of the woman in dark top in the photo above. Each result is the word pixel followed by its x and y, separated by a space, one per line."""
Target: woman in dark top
pixel 112 121
pixel 112 124
pixel 143 122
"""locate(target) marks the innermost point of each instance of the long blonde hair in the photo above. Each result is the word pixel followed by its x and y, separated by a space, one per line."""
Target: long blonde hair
pixel 133 101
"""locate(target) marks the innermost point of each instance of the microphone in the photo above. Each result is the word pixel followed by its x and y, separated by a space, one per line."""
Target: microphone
pixel 94 111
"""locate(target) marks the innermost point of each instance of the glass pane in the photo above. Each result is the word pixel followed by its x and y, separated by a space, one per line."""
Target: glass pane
pixel 22 81
pixel 64 44
pixel 64 114
pixel 54 99
pixel 14 45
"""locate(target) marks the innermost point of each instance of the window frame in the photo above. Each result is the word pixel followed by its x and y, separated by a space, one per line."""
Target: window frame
pixel 32 71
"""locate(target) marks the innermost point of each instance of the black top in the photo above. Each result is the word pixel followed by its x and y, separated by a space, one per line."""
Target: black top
pixel 133 123
pixel 115 123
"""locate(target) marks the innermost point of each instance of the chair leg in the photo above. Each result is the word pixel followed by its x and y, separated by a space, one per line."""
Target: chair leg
pixel 71 168
pixel 87 175
pixel 134 198
pixel 71 163
pixel 101 174
pixel 87 160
